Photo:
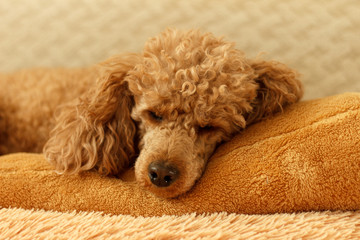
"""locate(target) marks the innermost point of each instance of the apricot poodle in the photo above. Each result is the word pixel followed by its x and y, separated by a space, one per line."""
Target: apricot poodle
pixel 164 110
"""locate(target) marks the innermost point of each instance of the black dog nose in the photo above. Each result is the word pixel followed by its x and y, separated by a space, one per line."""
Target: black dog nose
pixel 161 174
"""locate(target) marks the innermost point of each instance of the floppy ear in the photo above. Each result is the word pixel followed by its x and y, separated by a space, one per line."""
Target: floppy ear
pixel 97 131
pixel 278 86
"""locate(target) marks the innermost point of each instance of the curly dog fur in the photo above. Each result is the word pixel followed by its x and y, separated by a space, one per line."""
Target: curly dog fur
pixel 167 108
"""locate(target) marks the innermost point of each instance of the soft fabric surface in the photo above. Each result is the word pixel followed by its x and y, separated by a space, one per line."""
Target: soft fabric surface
pixel 320 39
pixel 30 224
pixel 307 158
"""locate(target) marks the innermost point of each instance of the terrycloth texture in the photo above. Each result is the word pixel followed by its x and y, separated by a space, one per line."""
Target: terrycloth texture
pixel 30 224
pixel 307 158
pixel 318 38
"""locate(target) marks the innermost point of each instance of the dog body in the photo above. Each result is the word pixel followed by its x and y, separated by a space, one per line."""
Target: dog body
pixel 28 102
pixel 166 109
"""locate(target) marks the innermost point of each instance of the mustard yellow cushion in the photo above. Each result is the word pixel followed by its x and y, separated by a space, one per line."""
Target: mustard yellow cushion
pixel 307 158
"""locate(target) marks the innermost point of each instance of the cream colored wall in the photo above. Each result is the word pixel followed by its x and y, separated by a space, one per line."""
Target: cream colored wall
pixel 321 39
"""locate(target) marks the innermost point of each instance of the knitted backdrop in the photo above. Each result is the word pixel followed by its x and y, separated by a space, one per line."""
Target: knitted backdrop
pixel 318 38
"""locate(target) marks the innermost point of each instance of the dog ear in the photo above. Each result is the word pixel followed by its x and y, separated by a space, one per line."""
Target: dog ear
pixel 97 131
pixel 278 86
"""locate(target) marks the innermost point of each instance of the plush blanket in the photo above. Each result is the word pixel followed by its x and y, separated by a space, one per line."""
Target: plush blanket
pixel 305 159
pixel 39 224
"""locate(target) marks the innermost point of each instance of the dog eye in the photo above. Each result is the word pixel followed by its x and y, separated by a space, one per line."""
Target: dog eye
pixel 155 116
pixel 206 128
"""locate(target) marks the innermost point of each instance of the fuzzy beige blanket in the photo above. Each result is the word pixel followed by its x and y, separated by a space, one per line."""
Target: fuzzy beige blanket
pixel 40 224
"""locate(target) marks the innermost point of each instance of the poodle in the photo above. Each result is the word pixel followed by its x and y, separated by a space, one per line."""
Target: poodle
pixel 163 111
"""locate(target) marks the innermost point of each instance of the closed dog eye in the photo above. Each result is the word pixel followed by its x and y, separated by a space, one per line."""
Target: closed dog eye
pixel 205 129
pixel 155 116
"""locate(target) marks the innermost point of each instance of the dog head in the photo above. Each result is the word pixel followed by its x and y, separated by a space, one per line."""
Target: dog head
pixel 186 93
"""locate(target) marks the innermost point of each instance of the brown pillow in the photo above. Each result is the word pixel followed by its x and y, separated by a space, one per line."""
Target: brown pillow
pixel 307 158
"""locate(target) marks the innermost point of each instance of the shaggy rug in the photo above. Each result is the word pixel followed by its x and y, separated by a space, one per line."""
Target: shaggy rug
pixel 38 224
